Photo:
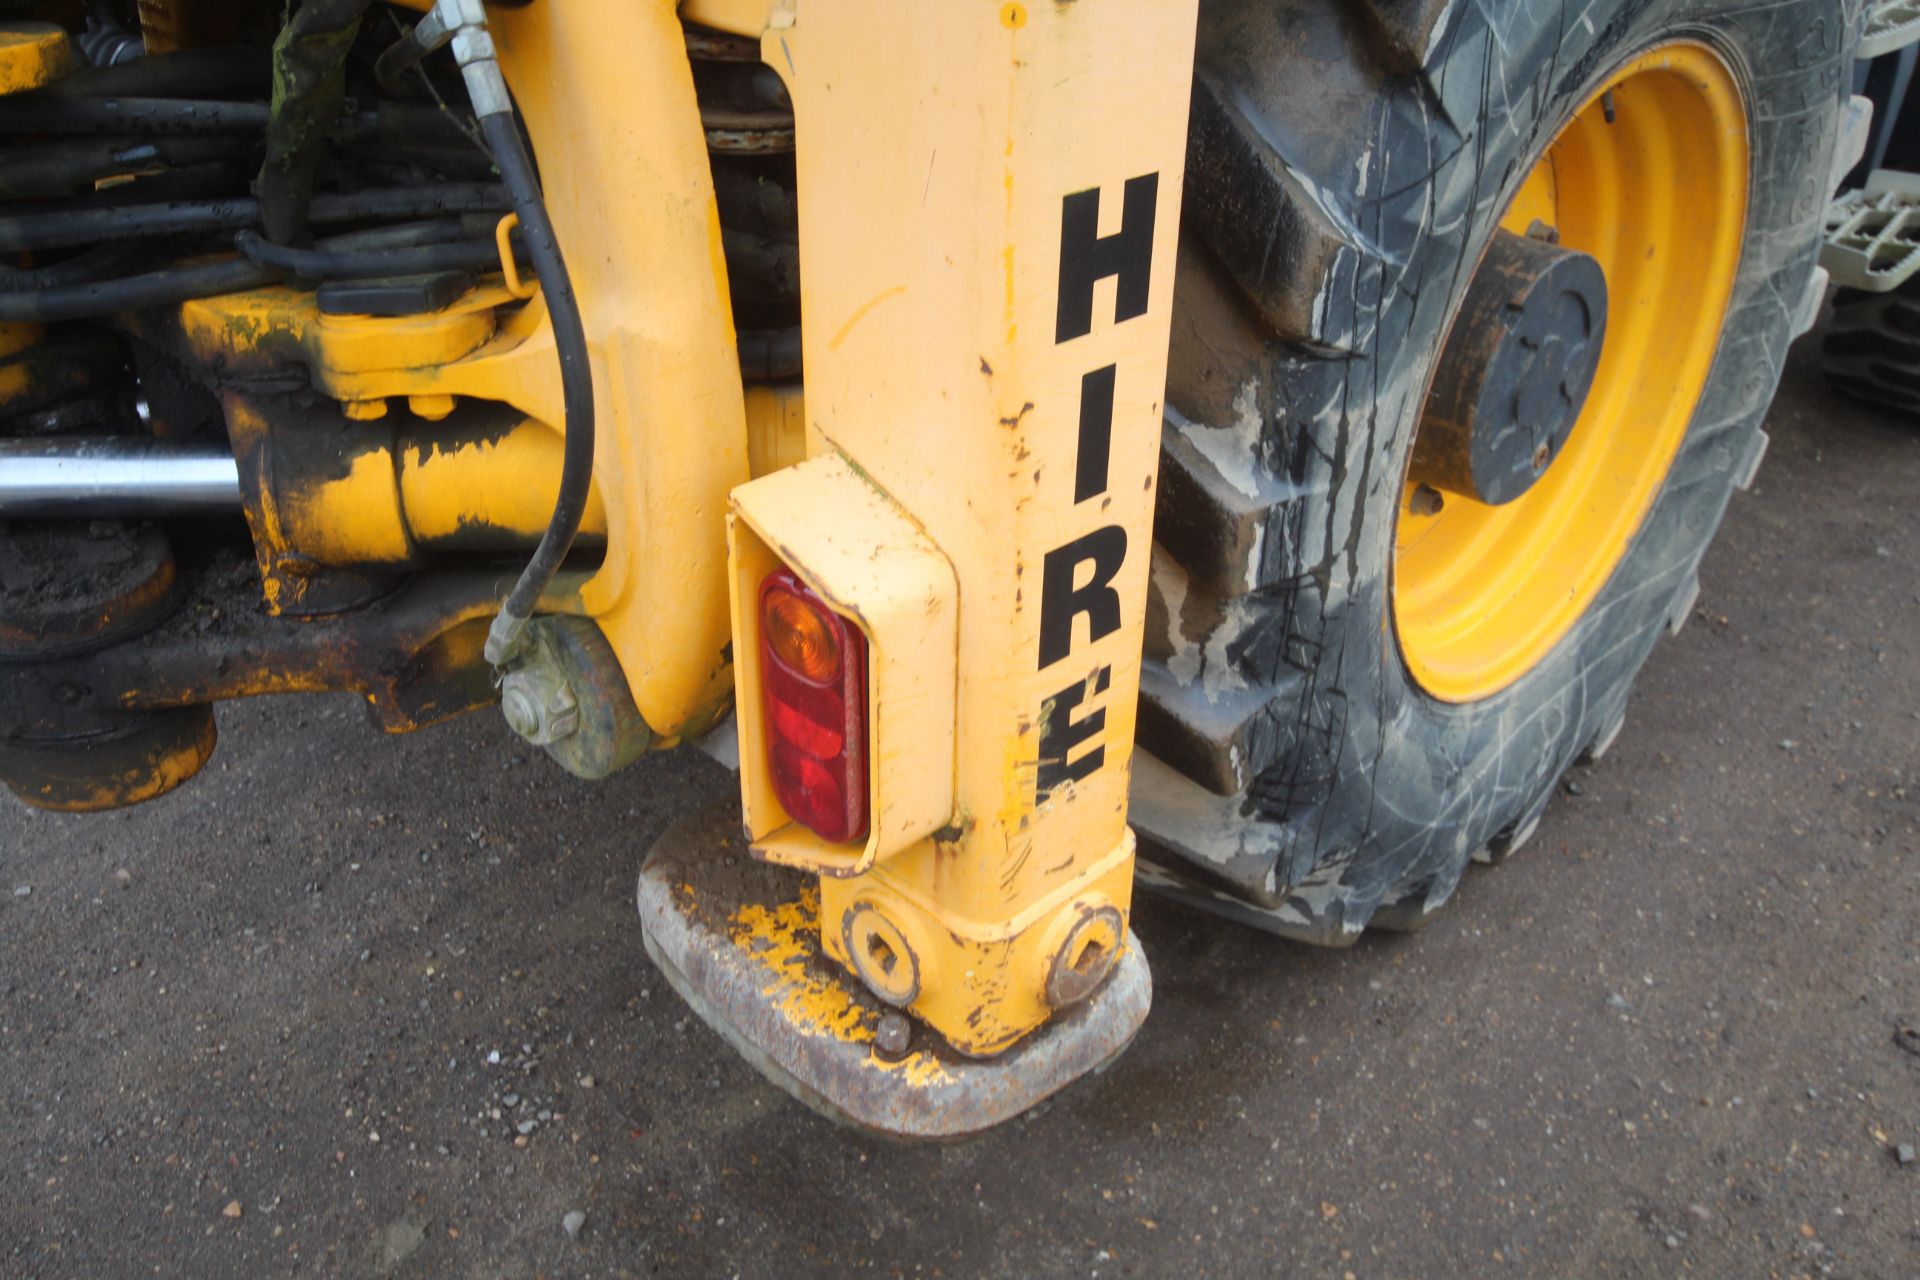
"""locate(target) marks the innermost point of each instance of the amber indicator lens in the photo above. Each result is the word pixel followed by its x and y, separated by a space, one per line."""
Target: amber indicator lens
pixel 802 637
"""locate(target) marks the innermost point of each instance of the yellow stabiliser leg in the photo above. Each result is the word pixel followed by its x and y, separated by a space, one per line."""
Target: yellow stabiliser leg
pixel 989 196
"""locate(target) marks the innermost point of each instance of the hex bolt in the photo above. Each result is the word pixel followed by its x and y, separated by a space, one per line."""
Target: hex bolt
pixel 522 716
pixel 538 703
pixel 893 1037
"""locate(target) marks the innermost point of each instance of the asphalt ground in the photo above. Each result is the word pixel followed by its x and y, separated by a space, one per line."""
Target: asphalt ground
pixel 251 1029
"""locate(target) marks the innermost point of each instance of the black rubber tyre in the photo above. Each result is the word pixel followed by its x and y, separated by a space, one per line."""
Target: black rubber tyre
pixel 1347 162
pixel 1872 348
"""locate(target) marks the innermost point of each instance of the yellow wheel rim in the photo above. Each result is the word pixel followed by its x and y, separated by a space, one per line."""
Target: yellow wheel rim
pixel 1658 197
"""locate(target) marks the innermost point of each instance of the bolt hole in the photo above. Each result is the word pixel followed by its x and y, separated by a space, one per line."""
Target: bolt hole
pixel 880 955
pixel 1089 957
pixel 1425 501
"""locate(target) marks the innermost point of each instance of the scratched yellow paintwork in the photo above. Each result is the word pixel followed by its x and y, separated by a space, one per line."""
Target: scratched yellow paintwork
pixel 781 939
pixel 353 358
pixel 155 775
pixel 930 232
pixel 936 143
pixel 250 432
pixel 506 483
pixel 351 520
pixel 396 499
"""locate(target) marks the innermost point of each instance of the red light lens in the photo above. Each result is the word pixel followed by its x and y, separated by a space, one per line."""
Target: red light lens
pixel 813 683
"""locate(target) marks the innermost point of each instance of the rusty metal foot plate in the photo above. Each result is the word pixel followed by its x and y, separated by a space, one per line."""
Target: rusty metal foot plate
pixel 739 940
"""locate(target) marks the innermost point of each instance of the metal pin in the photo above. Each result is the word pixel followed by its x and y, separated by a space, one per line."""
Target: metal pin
pixel 893 1037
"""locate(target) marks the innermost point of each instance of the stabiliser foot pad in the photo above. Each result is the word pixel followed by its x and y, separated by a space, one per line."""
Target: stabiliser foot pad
pixel 740 941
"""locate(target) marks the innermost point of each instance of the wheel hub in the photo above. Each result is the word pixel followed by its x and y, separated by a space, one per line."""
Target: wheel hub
pixel 1648 180
pixel 1515 371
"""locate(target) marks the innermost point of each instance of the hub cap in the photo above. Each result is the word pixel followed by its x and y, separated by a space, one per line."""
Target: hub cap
pixel 1515 372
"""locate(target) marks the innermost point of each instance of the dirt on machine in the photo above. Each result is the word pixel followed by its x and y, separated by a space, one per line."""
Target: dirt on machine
pixel 1240 449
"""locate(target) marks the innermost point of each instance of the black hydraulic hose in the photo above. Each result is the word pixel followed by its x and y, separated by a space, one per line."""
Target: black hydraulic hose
pixel 131 293
pixel 389 70
pixel 75 226
pixel 408 235
pixel 173 117
pixel 51 114
pixel 59 168
pixel 366 264
pixel 74 289
pixel 205 73
pixel 96 264
pixel 576 381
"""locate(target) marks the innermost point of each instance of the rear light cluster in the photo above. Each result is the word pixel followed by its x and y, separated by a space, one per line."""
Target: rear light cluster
pixel 813 682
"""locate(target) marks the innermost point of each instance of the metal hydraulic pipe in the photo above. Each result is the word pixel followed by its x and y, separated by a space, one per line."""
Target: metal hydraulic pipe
pixel 114 477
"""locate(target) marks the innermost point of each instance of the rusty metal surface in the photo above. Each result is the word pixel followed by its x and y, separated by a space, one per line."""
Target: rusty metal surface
pixel 414 654
pixel 708 45
pixel 610 734
pixel 143 755
pixel 747 132
pixel 66 587
pixel 71 589
pixel 739 941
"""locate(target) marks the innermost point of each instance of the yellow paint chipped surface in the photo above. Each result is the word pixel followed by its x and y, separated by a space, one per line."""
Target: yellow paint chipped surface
pixel 782 939
pixel 953 398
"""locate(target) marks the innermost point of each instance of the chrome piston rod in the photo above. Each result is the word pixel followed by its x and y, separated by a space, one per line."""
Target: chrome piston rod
pixel 113 477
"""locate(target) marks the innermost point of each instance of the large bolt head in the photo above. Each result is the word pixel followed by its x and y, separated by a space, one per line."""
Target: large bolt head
pixel 538 703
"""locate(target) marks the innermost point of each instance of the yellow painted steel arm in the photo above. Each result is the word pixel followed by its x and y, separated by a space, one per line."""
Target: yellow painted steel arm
pixel 607 94
pixel 989 198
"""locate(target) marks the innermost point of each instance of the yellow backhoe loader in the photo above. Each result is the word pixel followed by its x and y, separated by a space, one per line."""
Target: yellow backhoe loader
pixel 1242 448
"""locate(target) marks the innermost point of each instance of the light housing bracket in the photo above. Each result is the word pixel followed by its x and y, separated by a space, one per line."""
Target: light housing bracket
pixel 869 562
